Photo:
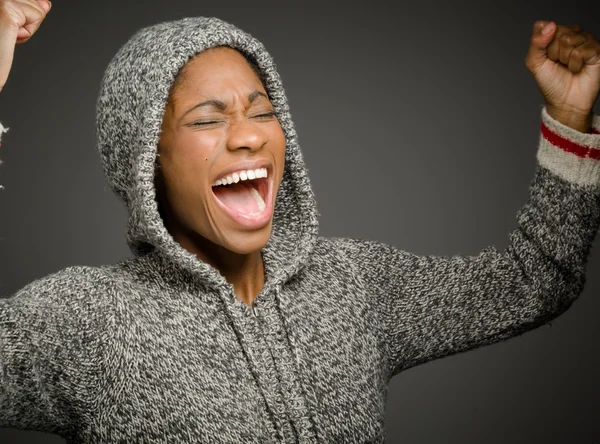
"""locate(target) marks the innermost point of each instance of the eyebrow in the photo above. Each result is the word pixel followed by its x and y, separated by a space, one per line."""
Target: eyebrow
pixel 221 106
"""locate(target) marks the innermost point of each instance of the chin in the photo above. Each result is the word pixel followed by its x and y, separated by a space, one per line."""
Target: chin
pixel 248 242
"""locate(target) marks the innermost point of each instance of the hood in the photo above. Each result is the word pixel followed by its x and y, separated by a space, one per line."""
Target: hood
pixel 130 107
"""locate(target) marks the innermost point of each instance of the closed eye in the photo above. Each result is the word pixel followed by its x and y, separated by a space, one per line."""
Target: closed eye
pixel 204 123
pixel 271 114
pixel 211 122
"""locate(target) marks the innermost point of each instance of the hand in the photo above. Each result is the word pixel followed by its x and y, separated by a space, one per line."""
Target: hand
pixel 565 63
pixel 19 20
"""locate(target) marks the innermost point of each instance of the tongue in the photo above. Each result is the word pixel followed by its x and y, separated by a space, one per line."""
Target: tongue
pixel 241 197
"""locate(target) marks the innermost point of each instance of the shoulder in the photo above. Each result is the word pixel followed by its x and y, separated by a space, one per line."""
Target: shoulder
pixel 365 257
pixel 66 306
pixel 70 280
pixel 350 247
pixel 71 291
pixel 345 251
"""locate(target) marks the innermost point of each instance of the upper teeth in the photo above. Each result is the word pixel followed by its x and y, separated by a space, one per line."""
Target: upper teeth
pixel 241 175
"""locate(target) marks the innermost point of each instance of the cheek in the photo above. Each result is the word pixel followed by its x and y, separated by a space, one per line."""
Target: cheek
pixel 187 166
pixel 192 146
pixel 279 149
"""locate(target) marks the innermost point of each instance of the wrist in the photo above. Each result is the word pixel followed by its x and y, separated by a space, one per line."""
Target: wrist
pixel 579 121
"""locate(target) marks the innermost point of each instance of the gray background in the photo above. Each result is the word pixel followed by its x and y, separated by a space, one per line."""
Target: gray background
pixel 419 123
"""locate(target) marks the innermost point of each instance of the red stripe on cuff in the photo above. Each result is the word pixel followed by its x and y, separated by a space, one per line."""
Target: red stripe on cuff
pixel 568 145
pixel 595 131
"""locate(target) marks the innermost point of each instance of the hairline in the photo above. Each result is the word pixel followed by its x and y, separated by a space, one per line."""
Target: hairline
pixel 181 75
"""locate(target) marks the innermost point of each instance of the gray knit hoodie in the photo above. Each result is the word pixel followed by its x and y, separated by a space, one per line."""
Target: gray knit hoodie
pixel 157 348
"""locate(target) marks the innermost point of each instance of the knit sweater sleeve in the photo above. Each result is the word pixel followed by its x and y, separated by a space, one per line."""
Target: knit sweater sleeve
pixel 434 306
pixel 49 353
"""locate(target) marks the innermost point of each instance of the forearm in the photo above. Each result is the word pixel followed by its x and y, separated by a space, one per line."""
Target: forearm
pixel 433 306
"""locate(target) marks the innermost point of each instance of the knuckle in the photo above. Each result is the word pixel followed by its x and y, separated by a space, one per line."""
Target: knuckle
pixel 12 14
pixel 577 52
pixel 565 38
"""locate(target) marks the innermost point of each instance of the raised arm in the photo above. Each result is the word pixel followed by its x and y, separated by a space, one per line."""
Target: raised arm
pixel 50 352
pixel 45 331
pixel 434 306
pixel 19 20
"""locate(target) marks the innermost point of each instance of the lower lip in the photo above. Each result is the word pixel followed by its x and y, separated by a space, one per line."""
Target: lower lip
pixel 247 221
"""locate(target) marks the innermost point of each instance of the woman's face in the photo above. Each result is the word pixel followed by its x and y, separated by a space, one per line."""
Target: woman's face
pixel 219 125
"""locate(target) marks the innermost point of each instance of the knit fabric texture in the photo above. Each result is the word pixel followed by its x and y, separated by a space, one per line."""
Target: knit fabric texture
pixel 157 348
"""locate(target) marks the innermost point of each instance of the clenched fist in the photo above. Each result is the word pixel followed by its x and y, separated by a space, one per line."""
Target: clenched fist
pixel 565 62
pixel 19 19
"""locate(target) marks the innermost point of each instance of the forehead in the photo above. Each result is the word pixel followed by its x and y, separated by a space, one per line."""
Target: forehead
pixel 216 66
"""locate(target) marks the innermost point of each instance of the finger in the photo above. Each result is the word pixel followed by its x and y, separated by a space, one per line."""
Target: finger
pixel 553 49
pixel 543 32
pixel 46 4
pixel 12 18
pixel 576 62
pixel 567 42
pixel 35 12
pixel 588 53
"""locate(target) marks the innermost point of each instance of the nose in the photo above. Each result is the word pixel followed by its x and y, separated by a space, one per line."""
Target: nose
pixel 245 134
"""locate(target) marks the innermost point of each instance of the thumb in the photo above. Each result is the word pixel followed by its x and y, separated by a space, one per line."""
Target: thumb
pixel 543 34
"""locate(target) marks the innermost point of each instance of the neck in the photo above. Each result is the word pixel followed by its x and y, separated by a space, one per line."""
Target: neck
pixel 244 271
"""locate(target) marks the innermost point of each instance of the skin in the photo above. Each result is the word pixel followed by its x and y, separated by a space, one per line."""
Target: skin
pixel 565 62
pixel 195 146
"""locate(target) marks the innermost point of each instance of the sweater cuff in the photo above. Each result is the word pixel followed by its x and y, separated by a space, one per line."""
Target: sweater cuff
pixel 568 153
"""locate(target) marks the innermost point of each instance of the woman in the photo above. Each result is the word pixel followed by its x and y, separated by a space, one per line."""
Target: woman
pixel 235 321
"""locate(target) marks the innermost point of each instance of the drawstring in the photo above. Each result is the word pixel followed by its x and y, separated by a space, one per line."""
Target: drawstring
pixel 225 292
pixel 294 351
pixel 286 328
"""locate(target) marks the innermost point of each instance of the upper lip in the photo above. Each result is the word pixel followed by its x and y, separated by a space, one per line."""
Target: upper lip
pixel 247 165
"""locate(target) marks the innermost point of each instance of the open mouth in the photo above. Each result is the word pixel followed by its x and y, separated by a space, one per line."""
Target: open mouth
pixel 246 197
